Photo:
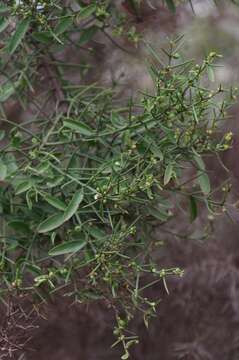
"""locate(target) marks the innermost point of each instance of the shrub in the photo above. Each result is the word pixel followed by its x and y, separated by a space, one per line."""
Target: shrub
pixel 85 179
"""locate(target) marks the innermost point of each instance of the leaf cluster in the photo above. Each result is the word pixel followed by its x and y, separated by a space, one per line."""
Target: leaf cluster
pixel 85 185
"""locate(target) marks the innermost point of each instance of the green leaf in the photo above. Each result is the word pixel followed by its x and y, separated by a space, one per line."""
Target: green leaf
pixel 87 34
pixel 157 152
pixel 23 187
pixel 10 162
pixel 193 208
pixel 195 114
pixel 55 202
pixel 63 25
pixel 67 247
pixel 73 205
pixel 168 174
pixel 43 36
pixel 51 223
pixel 56 220
pixel 79 127
pixel 95 231
pixel 43 167
pixel 204 183
pixel 87 11
pixel 210 73
pixel 158 214
pixel 2 134
pixel 7 90
pixel 199 161
pixel 73 163
pixel 3 24
pixel 51 183
pixel 19 226
pixel 3 171
pixel 171 5
pixel 18 36
pixel 203 178
pixel 33 268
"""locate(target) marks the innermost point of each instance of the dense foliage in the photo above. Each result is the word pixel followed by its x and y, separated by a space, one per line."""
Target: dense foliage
pixel 87 179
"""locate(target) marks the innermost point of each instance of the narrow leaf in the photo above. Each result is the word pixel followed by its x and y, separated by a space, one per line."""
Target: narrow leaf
pixel 79 127
pixel 204 183
pixel 158 214
pixel 73 205
pixel 63 25
pixel 19 226
pixel 18 36
pixel 195 115
pixel 67 247
pixel 3 24
pixel 87 34
pixel 55 182
pixel 44 36
pixel 3 171
pixel 157 152
pixel 43 167
pixel 2 134
pixel 210 73
pixel 95 232
pixel 168 174
pixel 23 187
pixel 51 223
pixel 87 11
pixel 199 161
pixel 203 178
pixel 55 202
pixel 7 90
pixel 193 208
